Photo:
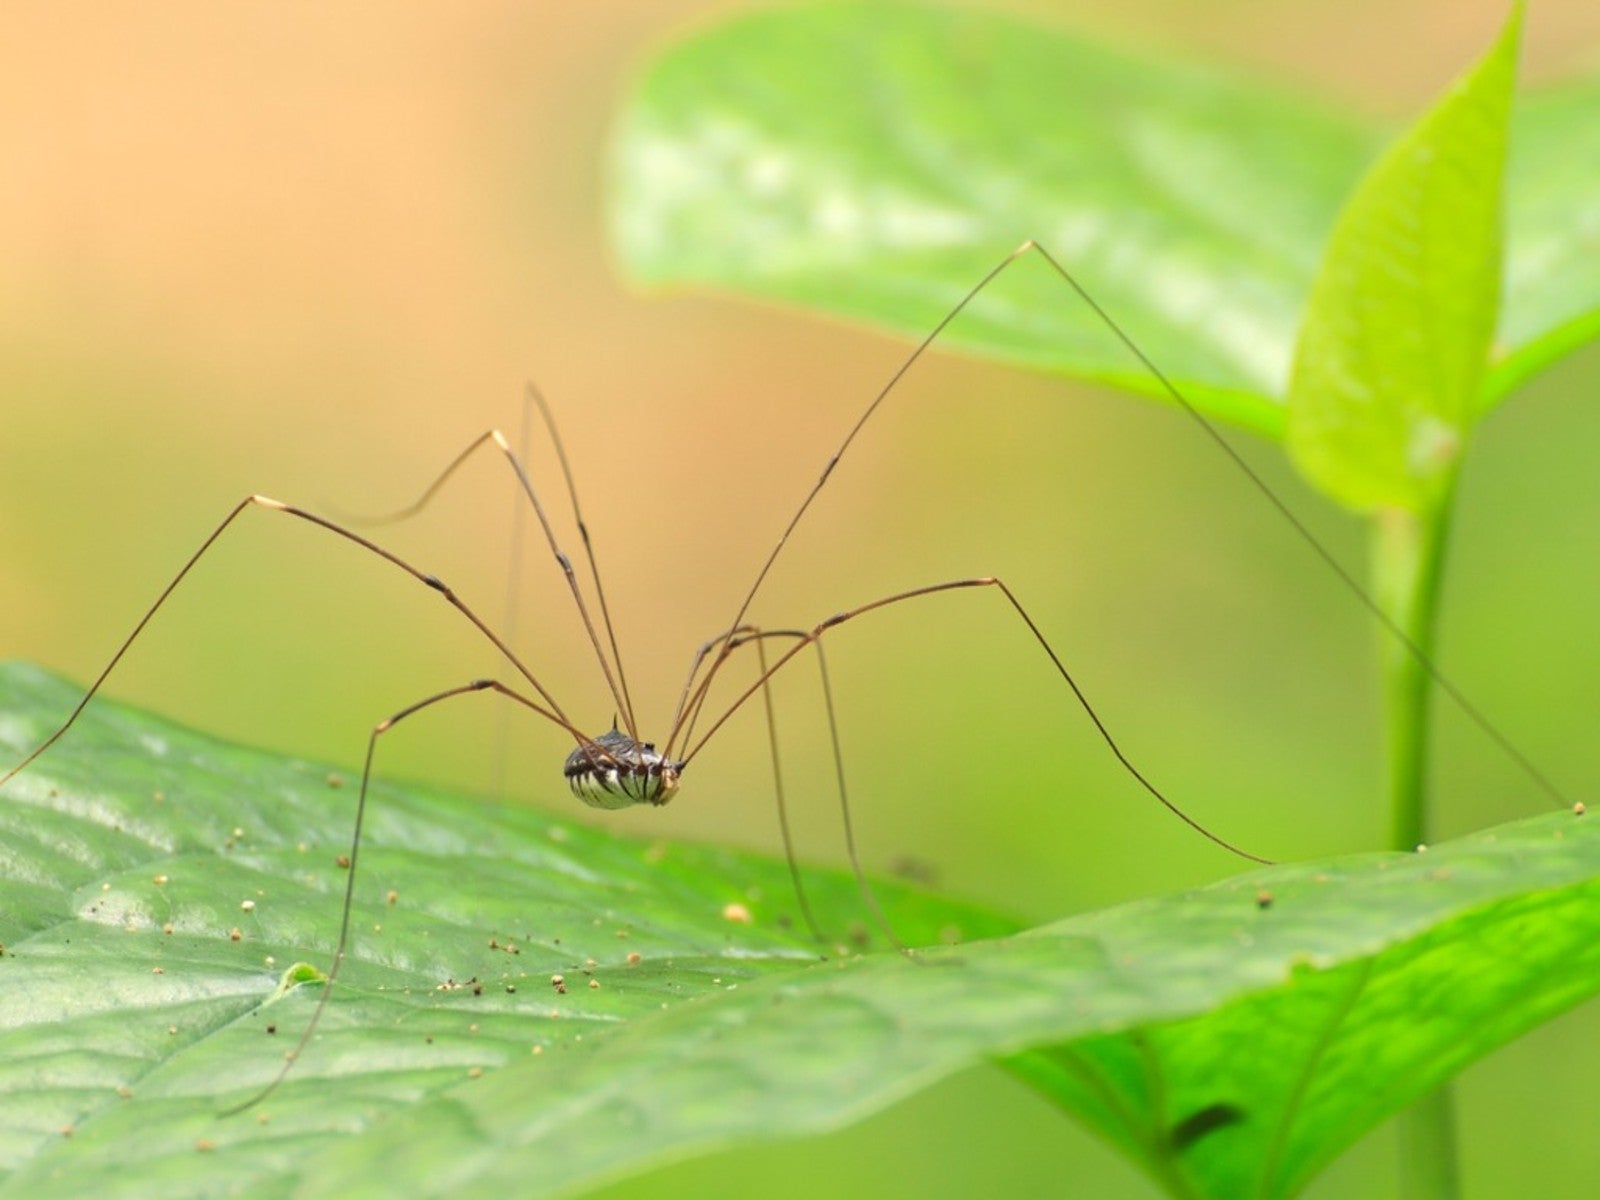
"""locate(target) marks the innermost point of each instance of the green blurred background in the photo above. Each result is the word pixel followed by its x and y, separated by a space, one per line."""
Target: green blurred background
pixel 312 251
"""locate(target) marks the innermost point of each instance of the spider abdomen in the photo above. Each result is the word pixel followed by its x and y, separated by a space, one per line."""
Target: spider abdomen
pixel 614 771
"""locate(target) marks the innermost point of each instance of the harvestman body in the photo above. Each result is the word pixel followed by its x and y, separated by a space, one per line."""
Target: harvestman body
pixel 618 769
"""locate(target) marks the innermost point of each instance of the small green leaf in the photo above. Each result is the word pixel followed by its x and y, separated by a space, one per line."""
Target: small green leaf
pixel 1395 344
pixel 1232 1040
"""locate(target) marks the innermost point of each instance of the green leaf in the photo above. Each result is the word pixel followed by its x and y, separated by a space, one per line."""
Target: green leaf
pixel 1395 343
pixel 1552 273
pixel 131 1014
pixel 1232 1039
pixel 1192 204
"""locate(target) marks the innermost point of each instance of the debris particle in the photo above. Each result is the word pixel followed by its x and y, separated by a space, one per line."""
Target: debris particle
pixel 557 980
pixel 235 934
pixel 272 1028
pixel 393 897
pixel 205 1145
pixel 1578 809
pixel 736 912
pixel 158 970
pixel 511 987
pixel 1263 899
pixel 161 880
pixel 475 1073
pixel 248 905
pixel 334 781
pixel 343 862
pixel 124 1092
pixel 634 957
pixel 538 1049
pixel 167 928
pixel 594 983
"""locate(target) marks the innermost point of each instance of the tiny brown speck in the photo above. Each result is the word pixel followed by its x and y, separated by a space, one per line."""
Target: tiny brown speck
pixel 393 897
pixel 272 1029
pixel 161 880
pixel 736 912
pixel 124 1092
pixel 634 957
pixel 234 934
pixel 66 1131
pixel 558 980
pixel 167 928
pixel 335 781
pixel 594 983
pixel 158 970
pixel 475 1073
pixel 343 861
pixel 561 989
pixel 1578 809
pixel 1263 899
pixel 511 987
pixel 205 1144
pixel 477 989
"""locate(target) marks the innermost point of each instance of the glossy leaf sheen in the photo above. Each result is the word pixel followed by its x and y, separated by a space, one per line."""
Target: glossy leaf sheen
pixel 1232 1047
pixel 1193 204
pixel 1395 342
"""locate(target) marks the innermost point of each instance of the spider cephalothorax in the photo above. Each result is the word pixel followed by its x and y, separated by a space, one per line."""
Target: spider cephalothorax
pixel 614 771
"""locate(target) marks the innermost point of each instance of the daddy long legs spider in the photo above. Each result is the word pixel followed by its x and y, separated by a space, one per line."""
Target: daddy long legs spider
pixel 622 767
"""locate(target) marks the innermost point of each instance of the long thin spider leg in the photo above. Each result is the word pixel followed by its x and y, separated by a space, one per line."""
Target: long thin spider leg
pixel 867 894
pixel 1351 584
pixel 610 666
pixel 272 505
pixel 987 581
pixel 510 617
pixel 759 637
pixel 683 725
pixel 341 944
pixel 560 448
pixel 883 394
pixel 1174 393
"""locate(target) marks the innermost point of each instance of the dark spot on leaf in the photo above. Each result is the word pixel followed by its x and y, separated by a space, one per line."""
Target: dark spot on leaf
pixel 1203 1122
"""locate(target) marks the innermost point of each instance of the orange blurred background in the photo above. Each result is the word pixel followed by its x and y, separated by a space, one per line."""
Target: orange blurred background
pixel 312 250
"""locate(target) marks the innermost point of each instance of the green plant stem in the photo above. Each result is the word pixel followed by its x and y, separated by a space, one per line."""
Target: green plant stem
pixel 1408 572
pixel 1410 554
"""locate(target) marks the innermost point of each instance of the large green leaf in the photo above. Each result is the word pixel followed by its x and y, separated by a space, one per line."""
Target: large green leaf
pixel 1232 1039
pixel 1192 204
pixel 1395 343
